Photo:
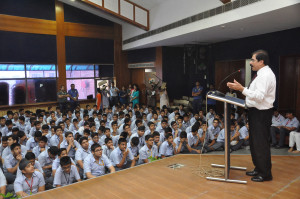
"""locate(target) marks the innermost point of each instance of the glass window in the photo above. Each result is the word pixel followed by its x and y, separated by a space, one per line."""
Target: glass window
pixel 41 90
pixel 37 71
pixel 9 71
pixel 12 92
pixel 96 71
pixel 85 87
pixel 80 71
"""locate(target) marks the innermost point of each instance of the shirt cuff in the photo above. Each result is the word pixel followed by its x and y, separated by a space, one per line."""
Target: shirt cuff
pixel 245 91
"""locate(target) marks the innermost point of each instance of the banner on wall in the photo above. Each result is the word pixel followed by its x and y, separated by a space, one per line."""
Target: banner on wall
pixel 142 65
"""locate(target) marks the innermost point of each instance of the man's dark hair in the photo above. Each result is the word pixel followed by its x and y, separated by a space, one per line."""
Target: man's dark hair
pixel 122 140
pixel 94 146
pixel 68 133
pixel 65 161
pixel 183 134
pixel 45 126
pixel 124 134
pixel 82 139
pixel 14 145
pixel 53 150
pixel 135 141
pixel 155 133
pixel 262 55
pixel 168 135
pixel 4 139
pixel 141 128
pixel 57 127
pixel 44 139
pixel 147 137
pixel 22 118
pixel 14 137
pixel 30 156
pixel 137 122
pixel 107 140
pixel 38 134
pixel 61 150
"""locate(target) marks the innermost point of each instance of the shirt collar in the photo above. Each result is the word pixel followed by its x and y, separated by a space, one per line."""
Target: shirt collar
pixel 260 71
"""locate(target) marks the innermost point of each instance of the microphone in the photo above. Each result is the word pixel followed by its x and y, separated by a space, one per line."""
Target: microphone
pixel 218 93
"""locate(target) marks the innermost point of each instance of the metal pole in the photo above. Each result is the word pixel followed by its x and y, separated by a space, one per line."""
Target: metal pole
pixel 226 141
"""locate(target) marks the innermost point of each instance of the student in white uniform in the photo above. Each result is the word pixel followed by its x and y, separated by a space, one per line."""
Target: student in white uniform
pixel 108 147
pixel 121 157
pixel 82 153
pixel 95 163
pixel 2 182
pixel 168 147
pixel 148 151
pixel 66 174
pixel 70 144
pixel 11 162
pixel 30 182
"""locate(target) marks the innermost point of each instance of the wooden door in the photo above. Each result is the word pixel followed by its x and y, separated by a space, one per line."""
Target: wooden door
pixel 138 77
pixel 289 89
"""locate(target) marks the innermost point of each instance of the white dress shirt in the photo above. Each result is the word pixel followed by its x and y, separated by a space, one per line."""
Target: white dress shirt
pixel 261 93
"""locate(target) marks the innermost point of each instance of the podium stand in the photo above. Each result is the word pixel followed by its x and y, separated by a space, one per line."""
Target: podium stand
pixel 227 100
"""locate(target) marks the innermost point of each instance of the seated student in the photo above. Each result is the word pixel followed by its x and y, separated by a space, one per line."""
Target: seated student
pixel 30 182
pixel 151 129
pixel 41 147
pixel 82 153
pixel 155 119
pixel 133 147
pixel 214 128
pixel 175 130
pixel 149 150
pixel 46 130
pixel 31 158
pixel 21 124
pixel 186 122
pixel 140 134
pixel 277 119
pixel 121 157
pixel 206 137
pixel 66 174
pixel 108 147
pixel 291 123
pixel 95 139
pixel 10 140
pixel 95 163
pixel 11 163
pixel 37 127
pixel 294 139
pixel 22 138
pixel 87 134
pixel 7 130
pixel 161 128
pixel 194 138
pixel 33 141
pixel 58 138
pixel 3 183
pixel 3 146
pixel 243 136
pixel 106 135
pixel 114 133
pixel 168 147
pixel 46 159
pixel 70 144
pixel 62 152
pixel 156 139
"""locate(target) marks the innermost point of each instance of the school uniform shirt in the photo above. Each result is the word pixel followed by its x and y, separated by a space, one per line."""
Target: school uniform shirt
pixel 221 136
pixel 44 159
pixel 208 135
pixel 134 150
pixel 2 179
pixel 192 139
pixel 106 151
pixel 37 165
pixel 56 163
pixel 243 133
pixel 72 150
pixel 102 140
pixel 37 150
pixel 31 143
pixel 261 93
pixel 81 154
pixel 117 155
pixel 277 121
pixel 94 167
pixel 10 162
pixel 142 141
pixel 145 153
pixel 32 131
pixel 166 149
pixel 185 125
pixel 177 142
pixel 61 178
pixel 214 130
pixel 1 149
pixel 291 123
pixel 6 132
pixel 115 139
pixel 160 129
pixel 91 142
pixel 21 127
pixel 7 151
pixel 49 136
pixel 54 141
pixel 23 184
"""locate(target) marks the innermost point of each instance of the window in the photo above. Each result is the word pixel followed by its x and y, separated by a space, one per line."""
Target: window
pixel 27 83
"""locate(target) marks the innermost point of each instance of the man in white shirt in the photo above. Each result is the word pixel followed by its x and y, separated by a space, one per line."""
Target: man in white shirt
pixel 260 96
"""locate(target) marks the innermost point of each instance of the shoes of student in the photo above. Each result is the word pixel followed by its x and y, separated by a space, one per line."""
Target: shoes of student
pixel 252 173
pixel 261 179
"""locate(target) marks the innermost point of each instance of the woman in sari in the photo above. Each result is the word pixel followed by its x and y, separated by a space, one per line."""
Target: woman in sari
pixel 135 95
pixel 98 99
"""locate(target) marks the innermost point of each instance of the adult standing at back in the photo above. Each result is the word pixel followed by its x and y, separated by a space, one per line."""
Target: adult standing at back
pixel 73 94
pixel 62 98
pixel 135 95
pixel 98 99
pixel 260 96
pixel 197 94
pixel 114 93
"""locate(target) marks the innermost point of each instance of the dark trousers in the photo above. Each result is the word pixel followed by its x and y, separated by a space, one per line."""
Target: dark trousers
pixel 114 101
pixel 282 131
pixel 197 105
pixel 63 107
pixel 259 135
pixel 239 145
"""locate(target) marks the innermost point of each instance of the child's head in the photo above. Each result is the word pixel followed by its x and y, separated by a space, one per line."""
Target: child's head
pixel 169 138
pixel 43 142
pixel 156 136
pixel 95 137
pixel 149 140
pixel 141 131
pixel 86 133
pixel 135 141
pixel 108 142
pixel 62 152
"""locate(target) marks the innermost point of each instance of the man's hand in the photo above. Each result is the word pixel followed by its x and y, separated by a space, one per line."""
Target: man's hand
pixel 235 86
pixel 19 157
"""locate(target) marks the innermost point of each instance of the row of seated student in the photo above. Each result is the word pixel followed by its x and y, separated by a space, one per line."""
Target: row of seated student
pixel 45 150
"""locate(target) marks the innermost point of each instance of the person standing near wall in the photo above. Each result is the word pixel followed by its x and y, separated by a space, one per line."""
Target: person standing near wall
pixel 197 94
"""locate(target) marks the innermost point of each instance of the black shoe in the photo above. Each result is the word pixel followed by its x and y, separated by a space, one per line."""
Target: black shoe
pixel 252 173
pixel 273 145
pixel 278 147
pixel 261 179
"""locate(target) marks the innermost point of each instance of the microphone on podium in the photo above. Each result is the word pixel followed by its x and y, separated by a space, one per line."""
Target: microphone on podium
pixel 218 93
